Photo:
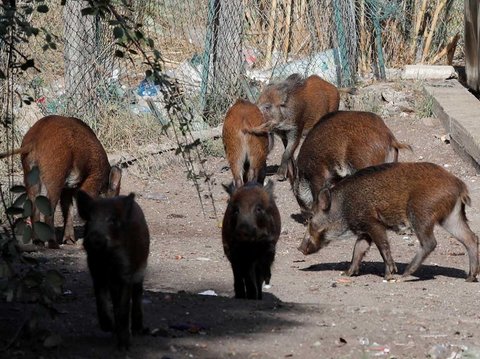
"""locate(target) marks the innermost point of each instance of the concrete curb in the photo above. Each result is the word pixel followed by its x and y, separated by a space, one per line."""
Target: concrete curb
pixel 459 112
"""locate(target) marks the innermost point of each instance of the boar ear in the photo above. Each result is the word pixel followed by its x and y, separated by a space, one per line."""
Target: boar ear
pixel 84 204
pixel 324 200
pixel 114 181
pixel 230 188
pixel 128 206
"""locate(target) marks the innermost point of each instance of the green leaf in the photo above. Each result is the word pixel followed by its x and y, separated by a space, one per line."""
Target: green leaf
pixel 43 8
pixel 33 177
pixel 12 211
pixel 18 189
pixel 43 231
pixel 119 53
pixel 19 226
pixel 118 32
pixel 132 51
pixel 27 234
pixel 43 204
pixel 19 202
pixel 27 208
pixel 88 11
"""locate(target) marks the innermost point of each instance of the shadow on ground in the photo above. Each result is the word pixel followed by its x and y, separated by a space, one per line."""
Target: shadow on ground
pixel 425 272
pixel 181 324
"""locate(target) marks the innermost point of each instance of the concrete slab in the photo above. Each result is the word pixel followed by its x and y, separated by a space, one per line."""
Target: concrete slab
pixel 459 112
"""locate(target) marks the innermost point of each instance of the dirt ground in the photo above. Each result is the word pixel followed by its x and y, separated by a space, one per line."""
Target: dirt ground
pixel 310 311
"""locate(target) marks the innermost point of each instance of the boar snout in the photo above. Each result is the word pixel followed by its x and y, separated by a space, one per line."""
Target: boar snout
pixel 311 244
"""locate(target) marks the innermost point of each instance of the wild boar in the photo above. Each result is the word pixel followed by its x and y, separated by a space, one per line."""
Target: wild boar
pixel 292 107
pixel 69 157
pixel 250 231
pixel 338 145
pixel 393 196
pixel 246 153
pixel 117 244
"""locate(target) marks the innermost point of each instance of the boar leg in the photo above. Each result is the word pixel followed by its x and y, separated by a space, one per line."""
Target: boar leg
pixel 238 282
pixel 121 294
pixel 137 311
pixel 427 245
pixel 67 212
pixel 54 196
pixel 251 283
pixel 101 295
pixel 378 234
pixel 290 141
pixel 456 224
pixel 362 245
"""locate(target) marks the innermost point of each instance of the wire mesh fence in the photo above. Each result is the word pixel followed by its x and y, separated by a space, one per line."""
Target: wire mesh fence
pixel 219 50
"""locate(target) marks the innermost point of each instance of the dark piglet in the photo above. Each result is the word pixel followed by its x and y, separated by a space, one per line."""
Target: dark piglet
pixel 246 152
pixel 250 231
pixel 393 196
pixel 338 145
pixel 69 157
pixel 292 107
pixel 117 245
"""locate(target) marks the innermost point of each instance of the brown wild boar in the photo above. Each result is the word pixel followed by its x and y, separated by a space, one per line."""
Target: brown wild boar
pixel 69 157
pixel 292 107
pixel 246 153
pixel 338 145
pixel 393 196
pixel 250 231
pixel 117 245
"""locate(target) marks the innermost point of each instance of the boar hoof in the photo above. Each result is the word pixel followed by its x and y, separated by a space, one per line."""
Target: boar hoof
pixel 69 240
pixel 351 272
pixel 471 279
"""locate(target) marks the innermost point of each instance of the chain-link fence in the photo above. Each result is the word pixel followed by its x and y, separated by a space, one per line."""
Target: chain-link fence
pixel 219 50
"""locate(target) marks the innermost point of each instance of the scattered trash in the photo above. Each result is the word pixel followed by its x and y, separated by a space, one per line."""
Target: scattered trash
pixel 175 215
pixel 267 286
pixel 378 349
pixel 344 280
pixel 67 292
pixel 208 292
pixel 444 138
pixel 204 259
pixel 321 64
pixel 147 88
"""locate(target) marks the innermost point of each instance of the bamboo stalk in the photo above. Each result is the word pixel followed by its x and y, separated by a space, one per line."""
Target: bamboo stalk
pixel 448 50
pixel 288 29
pixel 436 14
pixel 418 24
pixel 363 40
pixel 271 34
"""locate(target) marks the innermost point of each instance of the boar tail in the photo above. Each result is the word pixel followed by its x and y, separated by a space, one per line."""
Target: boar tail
pixel 16 151
pixel 401 146
pixel 464 196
